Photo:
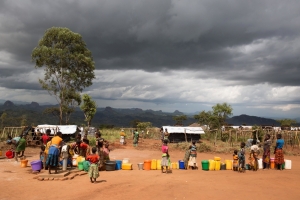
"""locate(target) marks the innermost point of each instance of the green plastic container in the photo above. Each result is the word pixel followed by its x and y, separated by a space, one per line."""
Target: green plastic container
pixel 205 165
pixel 80 165
pixel 283 165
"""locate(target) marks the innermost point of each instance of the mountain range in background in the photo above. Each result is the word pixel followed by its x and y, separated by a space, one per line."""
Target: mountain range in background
pixel 116 117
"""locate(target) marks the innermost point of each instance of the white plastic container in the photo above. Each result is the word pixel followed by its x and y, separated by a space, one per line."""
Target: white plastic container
pixel 125 160
pixel 260 163
pixel 288 164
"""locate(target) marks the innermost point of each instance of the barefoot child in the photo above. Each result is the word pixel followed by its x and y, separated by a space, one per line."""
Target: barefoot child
pixel 241 156
pixel 93 170
pixel 193 156
pixel 165 156
pixel 235 160
pixel 43 156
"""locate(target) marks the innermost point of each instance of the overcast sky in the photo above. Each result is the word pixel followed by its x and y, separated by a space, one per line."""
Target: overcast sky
pixel 165 54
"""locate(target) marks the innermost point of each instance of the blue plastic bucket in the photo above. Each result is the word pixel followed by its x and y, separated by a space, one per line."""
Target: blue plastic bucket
pixel 181 164
pixel 118 164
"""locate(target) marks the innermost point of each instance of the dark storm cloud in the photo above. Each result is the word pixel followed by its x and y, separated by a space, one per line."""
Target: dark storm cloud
pixel 157 35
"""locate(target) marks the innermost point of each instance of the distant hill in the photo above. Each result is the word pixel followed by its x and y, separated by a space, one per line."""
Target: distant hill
pixel 112 116
pixel 251 120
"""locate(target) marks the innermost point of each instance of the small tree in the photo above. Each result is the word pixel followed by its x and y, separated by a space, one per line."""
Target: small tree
pixel 179 119
pixel 68 65
pixel 287 122
pixel 203 117
pixel 3 119
pixel 221 112
pixel 89 108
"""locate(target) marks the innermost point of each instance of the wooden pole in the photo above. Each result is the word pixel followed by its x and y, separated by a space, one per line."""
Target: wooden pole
pixel 185 135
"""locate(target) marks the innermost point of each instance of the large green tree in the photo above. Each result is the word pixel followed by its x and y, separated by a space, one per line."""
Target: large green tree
pixel 215 118
pixel 67 63
pixel 89 108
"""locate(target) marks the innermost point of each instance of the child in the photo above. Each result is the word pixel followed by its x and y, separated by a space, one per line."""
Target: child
pixel 187 156
pixel 235 160
pixel 165 156
pixel 193 156
pixel 122 137
pixel 241 156
pixel 253 157
pixel 42 155
pixel 93 170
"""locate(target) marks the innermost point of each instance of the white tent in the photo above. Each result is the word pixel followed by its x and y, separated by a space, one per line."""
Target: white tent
pixel 65 129
pixel 185 129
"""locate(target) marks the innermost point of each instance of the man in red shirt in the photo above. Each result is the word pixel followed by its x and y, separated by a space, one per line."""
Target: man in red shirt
pixel 46 137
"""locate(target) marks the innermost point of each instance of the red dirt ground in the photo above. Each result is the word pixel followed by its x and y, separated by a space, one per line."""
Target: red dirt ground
pixel 18 183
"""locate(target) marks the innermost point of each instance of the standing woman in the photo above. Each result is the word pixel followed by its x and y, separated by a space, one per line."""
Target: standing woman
pixel 54 152
pixel 135 138
pixel 279 158
pixel 266 155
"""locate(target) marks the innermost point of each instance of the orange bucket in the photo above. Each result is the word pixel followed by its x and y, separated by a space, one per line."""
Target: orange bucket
pixel 147 165
pixel 24 163
pixel 272 166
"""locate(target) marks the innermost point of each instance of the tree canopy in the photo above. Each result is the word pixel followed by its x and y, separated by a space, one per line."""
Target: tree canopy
pixel 287 122
pixel 67 63
pixel 89 108
pixel 215 118
pixel 179 119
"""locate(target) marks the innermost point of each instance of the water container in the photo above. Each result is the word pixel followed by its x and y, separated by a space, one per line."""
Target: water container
pixel 158 164
pixel 141 166
pixel 217 165
pixel 125 160
pixel 260 163
pixel 36 165
pixel 217 159
pixel 74 160
pixel 228 164
pixel 24 163
pixel 212 165
pixel 174 165
pixel 223 166
pixel 0 153
pixel 181 164
pixel 205 165
pixel 110 165
pixel 147 165
pixel 153 164
pixel 118 164
pixel 288 164
pixel 80 165
pixel 10 154
pixel 126 166
pixel 272 163
pixel 247 166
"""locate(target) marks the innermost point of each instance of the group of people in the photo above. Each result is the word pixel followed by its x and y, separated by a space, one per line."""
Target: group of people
pixel 95 156
pixel 239 160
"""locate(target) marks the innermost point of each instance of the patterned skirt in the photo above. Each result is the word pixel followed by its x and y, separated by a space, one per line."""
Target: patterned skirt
pixel 93 171
pixel 53 156
pixel 279 158
pixel 266 156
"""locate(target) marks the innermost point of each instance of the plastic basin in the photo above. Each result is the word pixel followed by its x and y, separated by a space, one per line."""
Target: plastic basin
pixel 110 165
pixel 36 165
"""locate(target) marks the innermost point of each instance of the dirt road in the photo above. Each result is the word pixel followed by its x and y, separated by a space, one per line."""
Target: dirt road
pixel 18 183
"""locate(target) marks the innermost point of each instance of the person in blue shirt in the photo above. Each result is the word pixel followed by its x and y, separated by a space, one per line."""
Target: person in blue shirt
pixel 279 158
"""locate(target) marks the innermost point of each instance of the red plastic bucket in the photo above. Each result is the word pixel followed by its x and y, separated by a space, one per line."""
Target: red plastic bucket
pixel 10 154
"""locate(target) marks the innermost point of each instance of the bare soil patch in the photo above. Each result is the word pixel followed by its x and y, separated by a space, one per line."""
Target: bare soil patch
pixel 18 183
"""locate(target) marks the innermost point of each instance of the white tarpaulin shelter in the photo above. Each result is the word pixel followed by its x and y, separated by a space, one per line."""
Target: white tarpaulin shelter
pixel 65 129
pixel 185 129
